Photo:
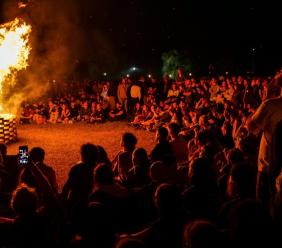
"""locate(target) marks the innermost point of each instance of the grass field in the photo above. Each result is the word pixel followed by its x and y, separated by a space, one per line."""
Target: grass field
pixel 62 142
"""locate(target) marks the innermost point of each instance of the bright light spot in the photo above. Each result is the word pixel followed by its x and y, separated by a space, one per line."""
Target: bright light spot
pixel 149 76
pixel 128 75
pixel 170 75
pixel 14 52
pixel 226 73
pixel 134 68
pixel 190 74
pixel 105 74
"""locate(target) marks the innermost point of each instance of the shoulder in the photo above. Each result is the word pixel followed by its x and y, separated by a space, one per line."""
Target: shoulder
pixel 77 167
pixel 124 155
pixel 273 101
pixel 49 168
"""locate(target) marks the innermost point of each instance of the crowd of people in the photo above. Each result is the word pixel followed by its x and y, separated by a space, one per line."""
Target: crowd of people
pixel 213 178
pixel 150 103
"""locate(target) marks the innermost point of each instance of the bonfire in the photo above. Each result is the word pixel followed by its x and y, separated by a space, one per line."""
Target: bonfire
pixel 14 53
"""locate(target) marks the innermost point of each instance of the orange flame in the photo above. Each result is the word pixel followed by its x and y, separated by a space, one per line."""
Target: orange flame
pixel 14 52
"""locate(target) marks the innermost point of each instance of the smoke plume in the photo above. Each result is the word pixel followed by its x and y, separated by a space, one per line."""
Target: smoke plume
pixel 56 43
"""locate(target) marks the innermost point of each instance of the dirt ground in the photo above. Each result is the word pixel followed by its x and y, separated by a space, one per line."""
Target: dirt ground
pixel 62 142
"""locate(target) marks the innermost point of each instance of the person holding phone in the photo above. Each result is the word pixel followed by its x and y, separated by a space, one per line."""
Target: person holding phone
pixel 36 156
pixel 23 155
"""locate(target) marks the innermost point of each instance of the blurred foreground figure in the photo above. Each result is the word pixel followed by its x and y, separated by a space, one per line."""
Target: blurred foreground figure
pixel 267 118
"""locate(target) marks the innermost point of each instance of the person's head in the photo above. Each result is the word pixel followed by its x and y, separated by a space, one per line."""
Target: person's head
pixel 278 183
pixel 208 151
pixel 3 149
pixel 88 153
pixel 93 105
pixel 140 157
pixel 138 106
pixel 118 105
pixel 37 155
pixel 162 134
pixel 24 200
pixel 242 181
pixel 85 105
pixel 103 175
pixel 72 104
pixel 200 234
pixel 128 141
pixel 248 145
pixel 158 172
pixel 201 173
pixel 203 137
pixel 174 130
pixel 102 156
pixel 98 107
pixel 130 243
pixel 167 199
pixel 96 226
pixel 250 224
pixel 234 155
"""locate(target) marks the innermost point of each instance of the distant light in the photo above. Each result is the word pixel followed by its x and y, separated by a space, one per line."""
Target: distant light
pixel 134 68
pixel 105 74
pixel 149 76
pixel 54 81
pixel 170 75
pixel 254 49
pixel 226 73
pixel 190 74
pixel 128 75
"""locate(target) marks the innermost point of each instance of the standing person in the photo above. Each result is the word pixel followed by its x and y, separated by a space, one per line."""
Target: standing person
pixel 135 95
pixel 266 118
pixel 164 87
pixel 121 93
pixel 112 95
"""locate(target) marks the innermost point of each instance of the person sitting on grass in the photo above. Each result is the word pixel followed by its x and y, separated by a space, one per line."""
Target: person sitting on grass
pixel 123 160
pixel 162 150
pixel 37 156
pixel 117 114
pixel 111 194
pixel 179 145
pixel 65 116
pixel 37 221
pixel 99 115
pixel 138 175
pixel 79 184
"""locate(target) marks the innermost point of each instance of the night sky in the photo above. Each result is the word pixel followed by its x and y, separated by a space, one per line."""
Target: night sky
pixel 138 32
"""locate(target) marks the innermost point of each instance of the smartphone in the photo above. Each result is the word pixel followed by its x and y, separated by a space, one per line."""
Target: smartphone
pixel 23 155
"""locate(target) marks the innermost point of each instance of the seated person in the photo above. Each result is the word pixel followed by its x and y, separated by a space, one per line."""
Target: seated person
pixel 65 113
pixel 117 114
pixel 84 112
pixel 74 111
pixel 37 156
pixel 99 115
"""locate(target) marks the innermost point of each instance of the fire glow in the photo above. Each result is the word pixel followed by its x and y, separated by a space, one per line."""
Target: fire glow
pixel 14 52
